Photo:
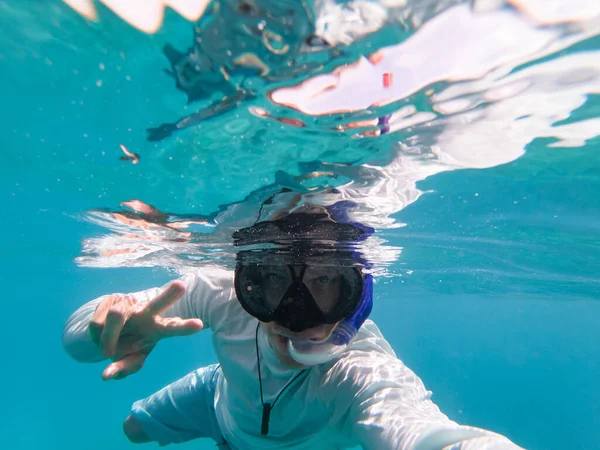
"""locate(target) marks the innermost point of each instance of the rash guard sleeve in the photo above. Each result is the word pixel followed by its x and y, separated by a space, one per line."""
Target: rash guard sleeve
pixel 382 404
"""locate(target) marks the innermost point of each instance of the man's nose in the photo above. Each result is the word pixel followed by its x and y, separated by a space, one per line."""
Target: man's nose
pixel 295 327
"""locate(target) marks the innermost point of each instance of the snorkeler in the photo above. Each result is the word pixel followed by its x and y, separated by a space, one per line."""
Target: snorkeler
pixel 300 365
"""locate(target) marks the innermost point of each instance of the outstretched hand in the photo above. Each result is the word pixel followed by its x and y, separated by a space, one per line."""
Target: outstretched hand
pixel 126 330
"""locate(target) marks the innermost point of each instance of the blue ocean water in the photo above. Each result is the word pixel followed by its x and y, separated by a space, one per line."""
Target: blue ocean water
pixel 491 295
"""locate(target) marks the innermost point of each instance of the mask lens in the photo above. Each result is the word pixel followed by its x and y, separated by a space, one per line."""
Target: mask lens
pixel 274 282
pixel 260 289
pixel 326 285
pixel 334 290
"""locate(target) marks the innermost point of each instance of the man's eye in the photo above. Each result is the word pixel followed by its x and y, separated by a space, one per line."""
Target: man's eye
pixel 323 279
pixel 273 277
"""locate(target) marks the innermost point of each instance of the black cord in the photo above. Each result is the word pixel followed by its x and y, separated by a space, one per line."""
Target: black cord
pixel 268 407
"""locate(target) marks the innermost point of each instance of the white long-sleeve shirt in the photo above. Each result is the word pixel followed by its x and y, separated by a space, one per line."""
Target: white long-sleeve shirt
pixel 367 397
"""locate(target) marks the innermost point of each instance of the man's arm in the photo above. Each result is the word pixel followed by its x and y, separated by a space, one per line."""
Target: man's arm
pixel 207 291
pixel 389 408
pixel 77 339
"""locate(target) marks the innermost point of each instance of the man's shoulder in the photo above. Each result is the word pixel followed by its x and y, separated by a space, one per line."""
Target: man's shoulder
pixel 369 351
pixel 213 270
pixel 211 294
pixel 367 366
pixel 370 339
pixel 212 276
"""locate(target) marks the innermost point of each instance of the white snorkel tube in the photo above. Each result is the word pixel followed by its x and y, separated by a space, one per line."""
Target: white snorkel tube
pixel 309 353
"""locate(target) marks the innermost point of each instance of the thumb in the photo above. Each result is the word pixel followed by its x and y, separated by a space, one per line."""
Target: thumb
pixel 179 327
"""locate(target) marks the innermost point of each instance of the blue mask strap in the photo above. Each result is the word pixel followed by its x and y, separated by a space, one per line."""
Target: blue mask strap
pixel 354 321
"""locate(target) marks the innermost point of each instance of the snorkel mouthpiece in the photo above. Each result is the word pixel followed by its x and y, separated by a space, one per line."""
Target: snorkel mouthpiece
pixel 310 353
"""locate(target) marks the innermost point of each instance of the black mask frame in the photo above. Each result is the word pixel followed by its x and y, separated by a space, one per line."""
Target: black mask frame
pixel 297 310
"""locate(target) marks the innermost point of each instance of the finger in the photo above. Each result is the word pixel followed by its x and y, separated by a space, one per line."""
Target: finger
pixel 166 299
pixel 99 317
pixel 116 317
pixel 125 348
pixel 179 327
pixel 125 367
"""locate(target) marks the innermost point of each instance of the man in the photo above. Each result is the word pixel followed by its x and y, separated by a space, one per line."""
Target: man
pixel 300 365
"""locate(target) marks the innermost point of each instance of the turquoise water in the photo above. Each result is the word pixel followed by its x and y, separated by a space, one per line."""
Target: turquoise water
pixel 489 291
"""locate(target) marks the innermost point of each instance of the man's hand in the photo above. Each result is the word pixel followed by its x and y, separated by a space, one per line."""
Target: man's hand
pixel 126 330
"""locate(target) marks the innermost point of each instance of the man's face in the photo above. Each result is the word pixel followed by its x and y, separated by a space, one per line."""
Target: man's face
pixel 324 284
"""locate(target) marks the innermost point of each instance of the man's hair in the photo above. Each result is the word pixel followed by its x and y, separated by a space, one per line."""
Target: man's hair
pixel 301 238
